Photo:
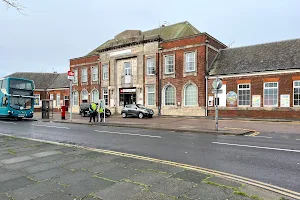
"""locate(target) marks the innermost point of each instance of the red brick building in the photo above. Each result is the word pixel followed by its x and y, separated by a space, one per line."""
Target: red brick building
pixel 162 68
pixel 259 81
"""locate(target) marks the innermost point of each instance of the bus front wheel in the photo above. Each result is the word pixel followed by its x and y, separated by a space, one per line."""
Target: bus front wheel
pixel 19 118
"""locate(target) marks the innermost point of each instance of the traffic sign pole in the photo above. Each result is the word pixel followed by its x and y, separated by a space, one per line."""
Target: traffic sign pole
pixel 71 77
pixel 217 85
pixel 217 112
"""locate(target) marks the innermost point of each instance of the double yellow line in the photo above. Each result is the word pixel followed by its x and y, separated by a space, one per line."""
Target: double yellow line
pixel 273 188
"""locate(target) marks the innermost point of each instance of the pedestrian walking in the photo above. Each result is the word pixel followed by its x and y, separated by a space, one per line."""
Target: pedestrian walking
pixel 101 112
pixel 93 111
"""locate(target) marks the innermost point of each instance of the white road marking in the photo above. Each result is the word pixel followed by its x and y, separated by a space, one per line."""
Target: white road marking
pixel 257 147
pixel 61 127
pixel 8 122
pixel 132 134
pixel 258 136
pixel 298 139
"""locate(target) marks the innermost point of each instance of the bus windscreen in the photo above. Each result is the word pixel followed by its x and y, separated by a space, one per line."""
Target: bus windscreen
pixel 20 84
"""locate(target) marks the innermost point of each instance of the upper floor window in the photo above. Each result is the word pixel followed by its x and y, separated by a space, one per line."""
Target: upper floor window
pixel 95 73
pixel 75 80
pixel 169 64
pixel 84 75
pixel 190 62
pixel 127 69
pixel 150 66
pixel 271 94
pixel 105 72
pixel 296 93
pixel 244 94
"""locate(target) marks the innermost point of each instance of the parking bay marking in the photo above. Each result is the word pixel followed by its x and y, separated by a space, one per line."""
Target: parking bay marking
pixel 257 147
pixel 131 134
pixel 50 126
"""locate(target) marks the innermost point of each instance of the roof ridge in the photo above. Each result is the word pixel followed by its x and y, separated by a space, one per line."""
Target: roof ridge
pixel 266 43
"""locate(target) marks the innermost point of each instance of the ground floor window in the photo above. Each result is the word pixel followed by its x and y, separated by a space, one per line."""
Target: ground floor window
pixel 75 98
pixel 271 94
pixel 169 95
pixel 37 99
pixel 95 96
pixel 190 95
pixel 84 96
pixel 105 96
pixel 296 93
pixel 244 95
pixel 150 95
pixel 58 100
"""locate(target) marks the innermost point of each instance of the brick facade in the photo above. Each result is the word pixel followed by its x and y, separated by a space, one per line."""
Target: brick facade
pixel 285 87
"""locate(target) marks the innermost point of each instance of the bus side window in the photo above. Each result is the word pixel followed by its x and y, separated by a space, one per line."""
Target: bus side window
pixel 4 102
pixel 1 81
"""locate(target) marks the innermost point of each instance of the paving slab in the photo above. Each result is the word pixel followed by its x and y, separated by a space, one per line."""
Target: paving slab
pixel 119 191
pixel 21 165
pixel 5 176
pixel 56 195
pixel 239 197
pixel 16 160
pixel 54 158
pixel 15 184
pixel 148 177
pixel 47 174
pixel 2 169
pixel 67 149
pixel 6 156
pixel 226 182
pixel 72 178
pixel 34 190
pixel 120 173
pixel 149 196
pixel 190 176
pixel 205 191
pixel 81 165
pixel 103 167
pixel 147 165
pixel 123 160
pixel 45 153
pixel 40 167
pixel 254 191
pixel 106 158
pixel 172 187
pixel 93 154
pixel 84 188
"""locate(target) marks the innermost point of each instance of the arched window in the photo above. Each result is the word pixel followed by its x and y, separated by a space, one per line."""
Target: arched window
pixel 75 98
pixel 169 95
pixel 84 96
pixel 95 96
pixel 190 95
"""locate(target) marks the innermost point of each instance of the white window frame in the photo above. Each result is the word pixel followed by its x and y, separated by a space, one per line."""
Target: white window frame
pixel 238 94
pixel 186 62
pixel 51 96
pixel 57 102
pixel 167 65
pixel 105 94
pixel 164 93
pixel 264 95
pixel 95 73
pixel 74 97
pixel 150 66
pixel 93 97
pixel 294 92
pixel 82 95
pixel 154 99
pixel 184 90
pixel 105 72
pixel 75 80
pixel 127 70
pixel 39 97
pixel 84 75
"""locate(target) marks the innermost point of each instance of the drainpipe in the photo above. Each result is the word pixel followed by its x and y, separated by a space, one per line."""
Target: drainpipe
pixel 159 82
pixel 206 78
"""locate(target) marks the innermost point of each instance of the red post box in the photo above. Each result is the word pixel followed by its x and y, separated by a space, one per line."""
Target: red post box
pixel 63 112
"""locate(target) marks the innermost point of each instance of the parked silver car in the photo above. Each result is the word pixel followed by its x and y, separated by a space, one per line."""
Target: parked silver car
pixel 136 110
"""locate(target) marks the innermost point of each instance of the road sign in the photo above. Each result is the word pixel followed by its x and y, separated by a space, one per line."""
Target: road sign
pixel 214 91
pixel 217 84
pixel 70 73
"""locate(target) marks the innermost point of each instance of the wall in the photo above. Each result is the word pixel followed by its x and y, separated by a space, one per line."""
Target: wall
pixel 285 86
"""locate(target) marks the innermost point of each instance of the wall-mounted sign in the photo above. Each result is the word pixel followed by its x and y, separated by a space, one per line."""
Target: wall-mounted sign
pixel 256 101
pixel 118 53
pixel 285 100
pixel 231 97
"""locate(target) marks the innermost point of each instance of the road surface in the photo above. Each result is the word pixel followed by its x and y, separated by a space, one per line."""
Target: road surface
pixel 269 158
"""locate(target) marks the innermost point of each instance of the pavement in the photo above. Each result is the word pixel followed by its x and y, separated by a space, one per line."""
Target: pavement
pixel 182 124
pixel 30 169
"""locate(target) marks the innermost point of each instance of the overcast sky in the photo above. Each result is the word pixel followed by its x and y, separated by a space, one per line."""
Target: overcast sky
pixel 54 31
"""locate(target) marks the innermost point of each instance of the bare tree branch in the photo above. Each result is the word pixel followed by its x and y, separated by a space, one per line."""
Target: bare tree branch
pixel 15 4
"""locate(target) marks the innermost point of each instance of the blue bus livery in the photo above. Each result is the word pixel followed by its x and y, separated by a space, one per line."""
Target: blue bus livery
pixel 16 98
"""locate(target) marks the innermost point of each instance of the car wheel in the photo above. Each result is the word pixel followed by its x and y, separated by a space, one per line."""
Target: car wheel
pixel 141 115
pixel 150 116
pixel 124 115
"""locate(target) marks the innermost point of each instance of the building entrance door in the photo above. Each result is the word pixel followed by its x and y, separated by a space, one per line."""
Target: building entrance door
pixel 127 96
